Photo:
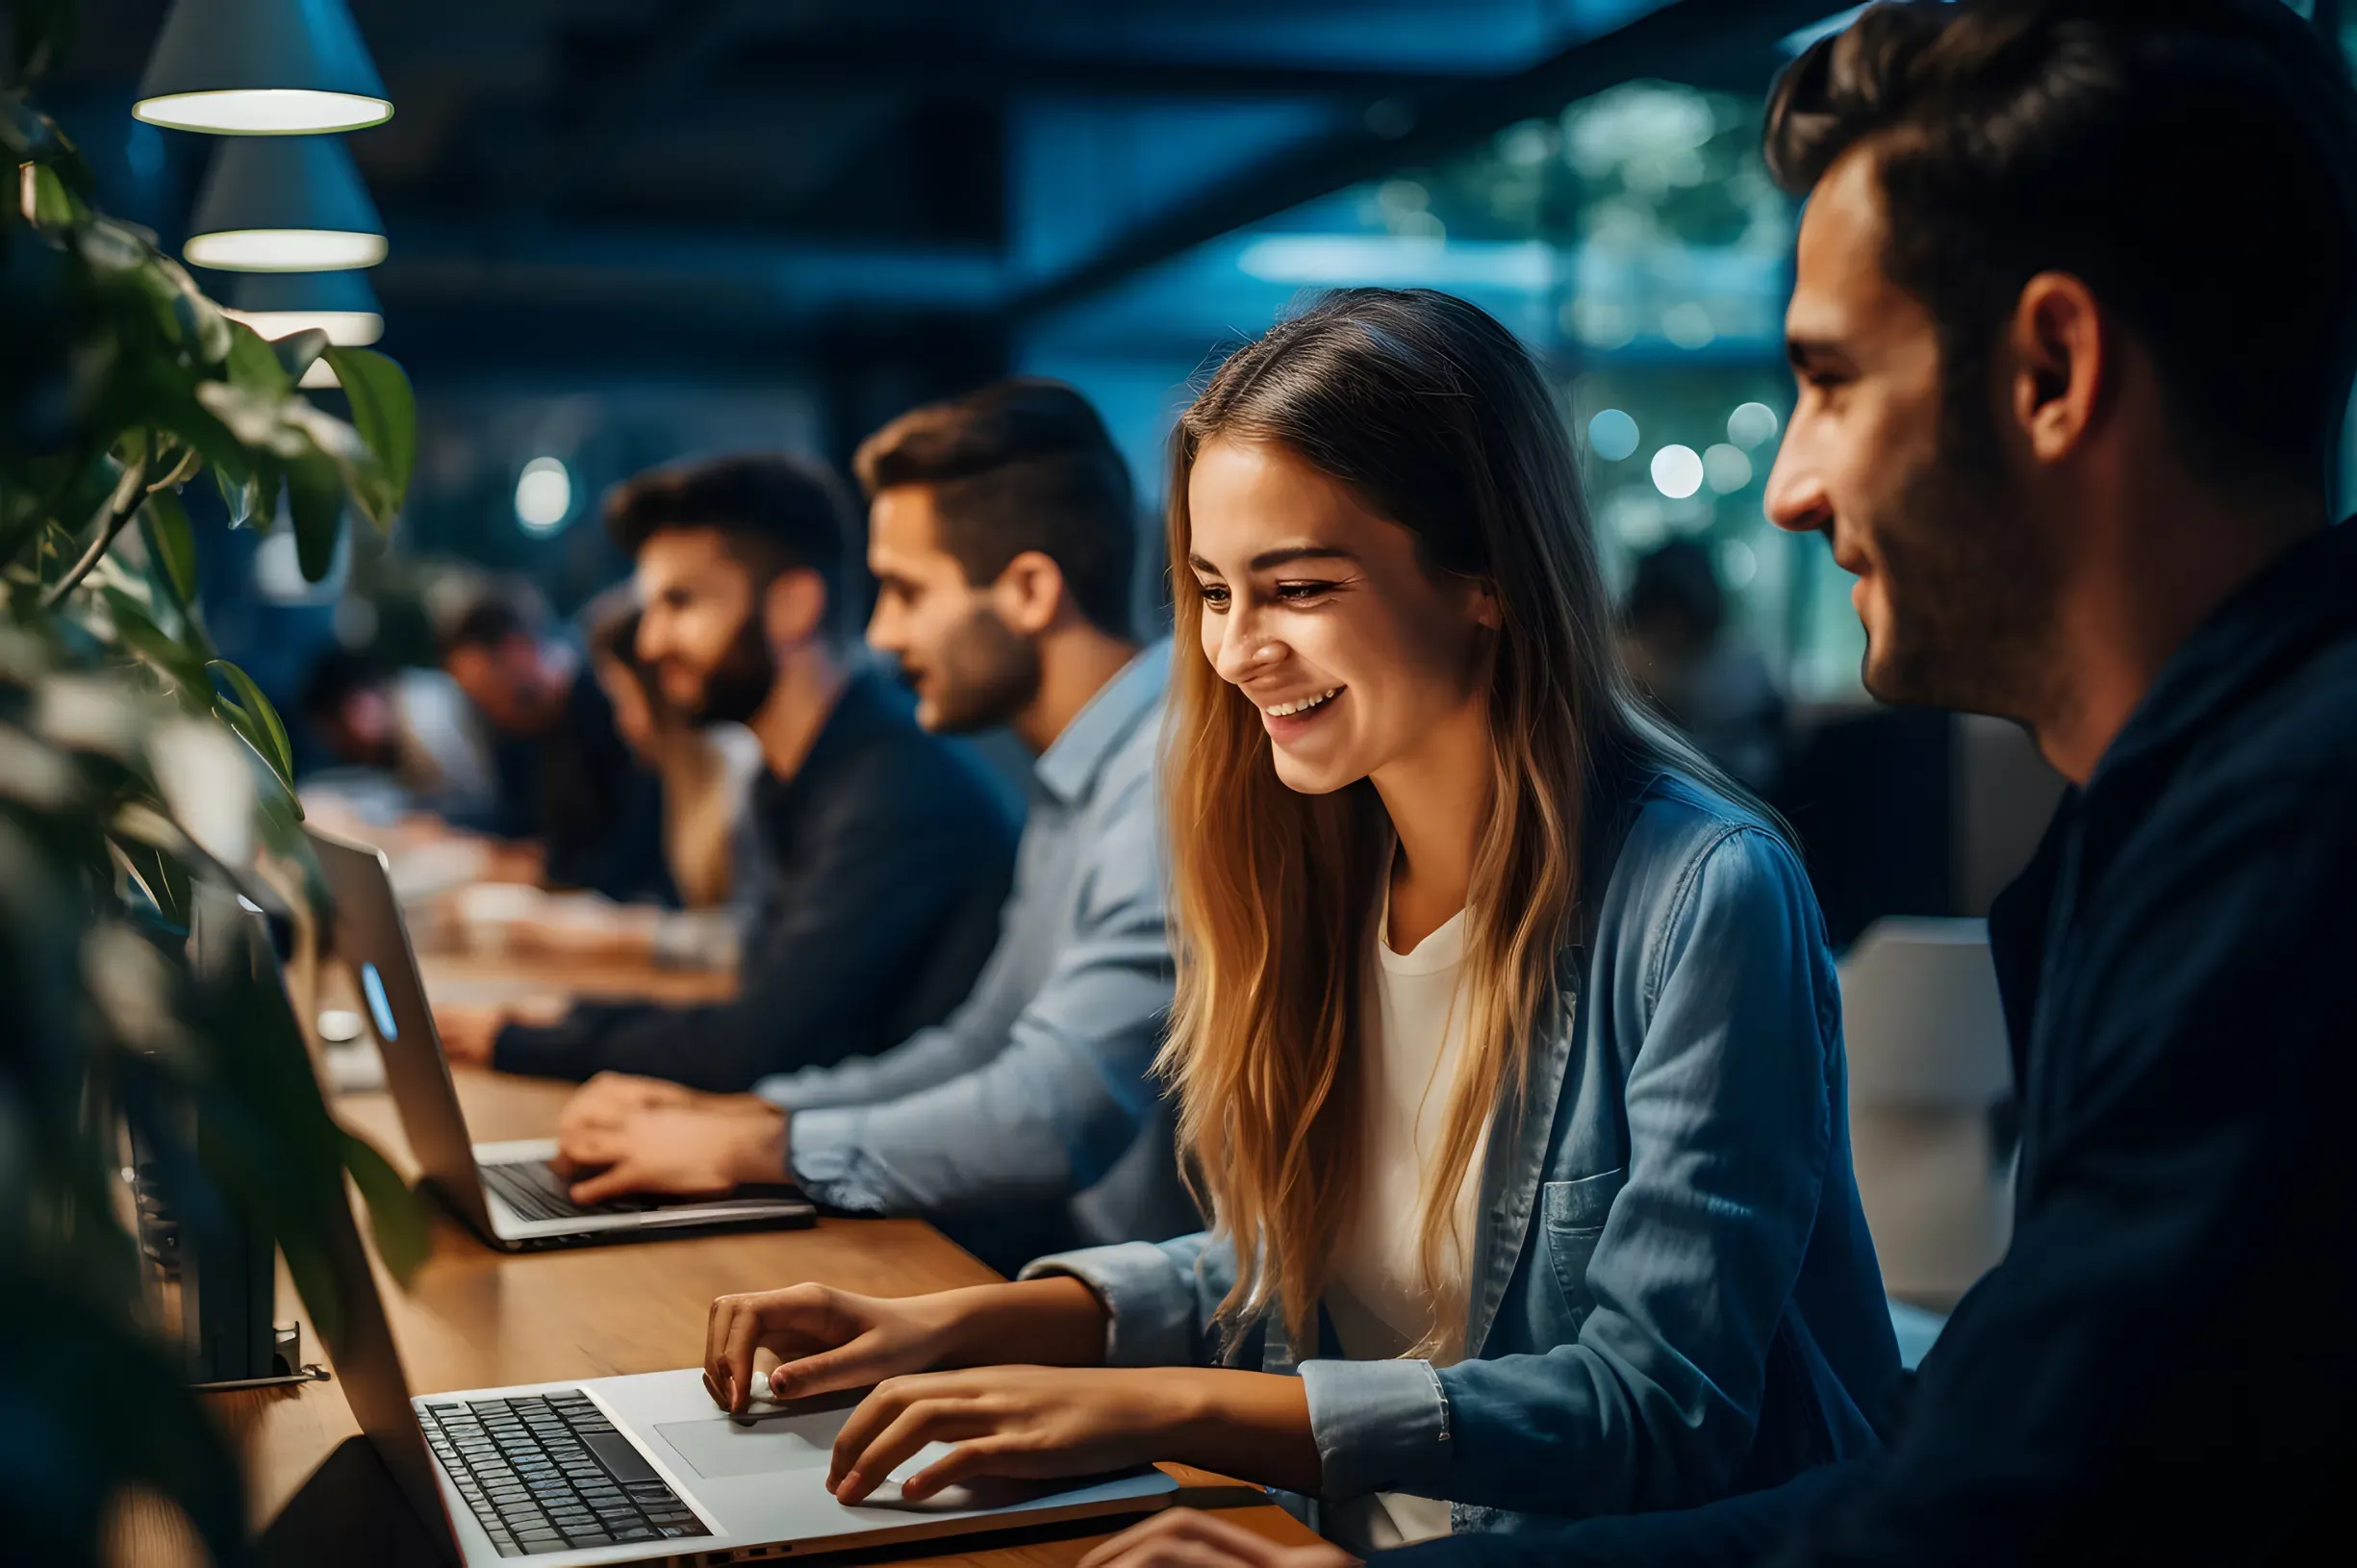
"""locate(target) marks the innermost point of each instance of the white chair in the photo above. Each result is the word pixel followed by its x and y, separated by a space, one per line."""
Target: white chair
pixel 1927 1063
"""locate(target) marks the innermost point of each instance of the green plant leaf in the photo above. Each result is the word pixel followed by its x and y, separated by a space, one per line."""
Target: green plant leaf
pixel 171 542
pixel 54 207
pixel 255 368
pixel 157 391
pixel 237 495
pixel 252 500
pixel 137 630
pixel 315 500
pixel 202 326
pixel 403 1236
pixel 158 875
pixel 249 728
pixel 297 349
pixel 253 717
pixel 385 413
pixel 276 751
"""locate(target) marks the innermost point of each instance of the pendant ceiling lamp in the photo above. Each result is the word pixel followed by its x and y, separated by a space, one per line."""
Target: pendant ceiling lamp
pixel 262 68
pixel 278 304
pixel 283 204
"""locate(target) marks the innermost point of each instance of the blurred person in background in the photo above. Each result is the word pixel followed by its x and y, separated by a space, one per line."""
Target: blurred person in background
pixel 888 849
pixel 566 778
pixel 1705 675
pixel 1003 535
pixel 709 838
pixel 406 735
pixel 711 844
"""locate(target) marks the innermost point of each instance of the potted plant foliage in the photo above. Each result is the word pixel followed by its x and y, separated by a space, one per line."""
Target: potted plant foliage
pixel 132 761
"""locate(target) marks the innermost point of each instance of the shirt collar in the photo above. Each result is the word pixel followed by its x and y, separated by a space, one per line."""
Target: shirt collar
pixel 1068 767
pixel 864 704
pixel 2306 594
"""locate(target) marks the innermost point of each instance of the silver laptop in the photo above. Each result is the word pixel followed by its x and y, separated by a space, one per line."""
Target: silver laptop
pixel 620 1469
pixel 509 1193
pixel 635 1469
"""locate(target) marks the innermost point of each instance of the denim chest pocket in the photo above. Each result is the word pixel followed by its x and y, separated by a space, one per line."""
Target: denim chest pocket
pixel 1572 1215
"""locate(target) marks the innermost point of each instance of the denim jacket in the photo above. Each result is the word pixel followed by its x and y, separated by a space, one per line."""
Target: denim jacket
pixel 1672 1293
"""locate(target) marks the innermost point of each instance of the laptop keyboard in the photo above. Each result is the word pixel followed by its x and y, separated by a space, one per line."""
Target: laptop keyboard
pixel 549 1472
pixel 534 1189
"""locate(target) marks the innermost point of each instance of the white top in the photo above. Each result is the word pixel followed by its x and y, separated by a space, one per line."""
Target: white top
pixel 1376 1294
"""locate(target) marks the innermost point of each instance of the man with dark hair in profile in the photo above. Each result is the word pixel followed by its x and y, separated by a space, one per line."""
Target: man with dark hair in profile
pixel 888 849
pixel 2074 321
pixel 1002 536
pixel 562 776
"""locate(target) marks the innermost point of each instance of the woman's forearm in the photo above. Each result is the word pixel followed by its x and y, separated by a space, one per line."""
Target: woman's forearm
pixel 1055 1322
pixel 1254 1425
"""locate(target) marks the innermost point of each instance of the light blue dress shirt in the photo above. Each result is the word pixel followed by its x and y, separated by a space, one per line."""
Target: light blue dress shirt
pixel 1039 1092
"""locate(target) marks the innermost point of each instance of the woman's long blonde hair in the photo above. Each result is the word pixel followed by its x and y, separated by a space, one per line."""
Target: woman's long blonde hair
pixel 1435 417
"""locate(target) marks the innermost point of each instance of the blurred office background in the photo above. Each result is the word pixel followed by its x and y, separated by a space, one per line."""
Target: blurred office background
pixel 626 230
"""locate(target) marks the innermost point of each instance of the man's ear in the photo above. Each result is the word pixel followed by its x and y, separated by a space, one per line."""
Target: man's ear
pixel 793 608
pixel 2063 362
pixel 1029 594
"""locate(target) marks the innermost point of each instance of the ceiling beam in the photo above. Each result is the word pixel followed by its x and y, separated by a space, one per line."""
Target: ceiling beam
pixel 713 271
pixel 991 70
pixel 593 129
pixel 1437 124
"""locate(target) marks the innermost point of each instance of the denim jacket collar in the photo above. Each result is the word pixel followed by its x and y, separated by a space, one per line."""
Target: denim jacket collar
pixel 1522 1125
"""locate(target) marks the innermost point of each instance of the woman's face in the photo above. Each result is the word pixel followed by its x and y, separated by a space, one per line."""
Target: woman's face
pixel 1319 612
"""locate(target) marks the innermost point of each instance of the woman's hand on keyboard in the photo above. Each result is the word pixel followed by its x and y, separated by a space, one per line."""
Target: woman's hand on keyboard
pixel 827 1340
pixel 1028 1423
pixel 824 1339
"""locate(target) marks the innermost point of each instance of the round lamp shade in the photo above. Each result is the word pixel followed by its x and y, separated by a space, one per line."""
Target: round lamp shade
pixel 280 304
pixel 283 204
pixel 262 68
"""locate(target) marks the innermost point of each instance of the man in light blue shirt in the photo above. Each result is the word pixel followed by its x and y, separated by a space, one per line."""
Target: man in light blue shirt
pixel 1002 539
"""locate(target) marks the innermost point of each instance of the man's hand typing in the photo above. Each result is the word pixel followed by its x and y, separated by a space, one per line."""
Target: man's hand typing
pixel 705 1146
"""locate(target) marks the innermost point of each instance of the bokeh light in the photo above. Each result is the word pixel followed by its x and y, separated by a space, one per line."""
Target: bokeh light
pixel 1612 435
pixel 1677 471
pixel 1751 424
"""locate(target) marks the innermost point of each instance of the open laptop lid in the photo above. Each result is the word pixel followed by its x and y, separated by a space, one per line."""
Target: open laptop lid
pixel 359 1337
pixel 372 937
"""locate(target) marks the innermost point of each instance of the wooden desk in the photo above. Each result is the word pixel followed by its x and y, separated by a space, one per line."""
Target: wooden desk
pixel 472 977
pixel 475 1318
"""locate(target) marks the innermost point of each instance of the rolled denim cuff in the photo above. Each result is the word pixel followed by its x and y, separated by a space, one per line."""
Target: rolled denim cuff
pixel 1379 1427
pixel 823 1154
pixel 1149 1302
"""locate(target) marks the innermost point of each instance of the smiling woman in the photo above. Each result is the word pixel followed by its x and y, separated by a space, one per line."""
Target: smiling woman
pixel 1506 1040
pixel 1338 599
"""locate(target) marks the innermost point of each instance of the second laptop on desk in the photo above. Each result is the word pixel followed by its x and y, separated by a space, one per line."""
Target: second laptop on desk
pixel 508 1192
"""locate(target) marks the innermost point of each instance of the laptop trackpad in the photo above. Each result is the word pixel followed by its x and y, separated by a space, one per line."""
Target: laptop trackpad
pixel 719 1448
